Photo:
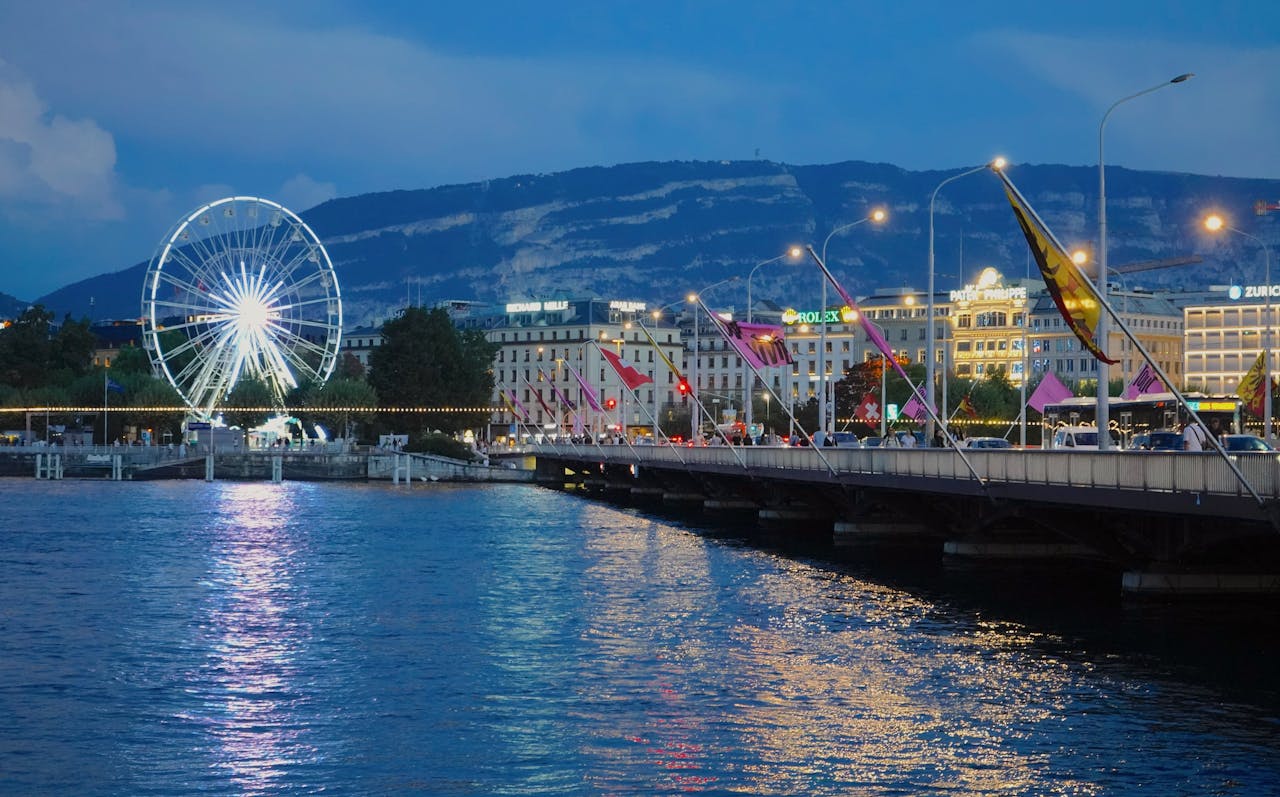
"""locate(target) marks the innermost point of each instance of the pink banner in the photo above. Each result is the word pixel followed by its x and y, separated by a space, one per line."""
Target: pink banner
pixel 1048 391
pixel 762 345
pixel 588 392
pixel 1145 382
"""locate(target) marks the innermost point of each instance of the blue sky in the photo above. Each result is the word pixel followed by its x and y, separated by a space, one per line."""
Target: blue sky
pixel 118 118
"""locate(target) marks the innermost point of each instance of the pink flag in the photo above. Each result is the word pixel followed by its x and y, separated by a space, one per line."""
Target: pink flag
pixel 1145 382
pixel 762 345
pixel 562 398
pixel 517 408
pixel 873 332
pixel 626 371
pixel 914 409
pixel 1048 391
pixel 588 392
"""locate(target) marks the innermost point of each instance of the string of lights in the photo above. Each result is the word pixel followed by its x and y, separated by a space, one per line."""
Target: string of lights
pixel 286 410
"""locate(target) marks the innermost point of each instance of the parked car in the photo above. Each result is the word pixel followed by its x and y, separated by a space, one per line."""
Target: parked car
pixel 1140 442
pixel 845 439
pixel 1079 438
pixel 871 442
pixel 1245 443
pixel 985 442
pixel 1164 441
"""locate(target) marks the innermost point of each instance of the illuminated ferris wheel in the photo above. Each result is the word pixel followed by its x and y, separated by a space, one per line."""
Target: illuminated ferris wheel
pixel 240 288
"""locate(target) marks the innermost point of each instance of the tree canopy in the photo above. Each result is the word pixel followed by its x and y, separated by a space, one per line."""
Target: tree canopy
pixel 425 362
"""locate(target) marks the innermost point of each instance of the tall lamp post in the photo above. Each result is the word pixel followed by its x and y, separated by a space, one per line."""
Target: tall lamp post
pixel 748 376
pixel 1216 223
pixel 878 216
pixel 1103 412
pixel 693 299
pixel 931 356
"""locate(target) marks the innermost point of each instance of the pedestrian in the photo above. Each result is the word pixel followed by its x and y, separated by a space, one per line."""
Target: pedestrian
pixel 1193 437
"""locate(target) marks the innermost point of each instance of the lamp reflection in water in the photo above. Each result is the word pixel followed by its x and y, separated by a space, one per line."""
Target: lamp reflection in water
pixel 248 694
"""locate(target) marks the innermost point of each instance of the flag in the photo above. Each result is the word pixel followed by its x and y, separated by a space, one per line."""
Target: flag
pixel 762 345
pixel 664 357
pixel 914 409
pixel 1251 390
pixel 509 399
pixel 588 392
pixel 1049 390
pixel 868 410
pixel 966 406
pixel 1072 292
pixel 537 394
pixel 114 386
pixel 626 371
pixel 522 413
pixel 562 398
pixel 1145 382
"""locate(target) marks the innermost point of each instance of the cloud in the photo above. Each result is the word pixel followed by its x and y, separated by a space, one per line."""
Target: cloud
pixel 48 159
pixel 1221 122
pixel 301 192
pixel 253 88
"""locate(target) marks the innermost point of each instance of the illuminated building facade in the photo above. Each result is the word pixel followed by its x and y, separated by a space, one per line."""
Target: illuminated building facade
pixel 539 341
pixel 1224 331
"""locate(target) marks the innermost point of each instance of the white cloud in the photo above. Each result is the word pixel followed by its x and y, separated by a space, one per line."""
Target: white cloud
pixel 1221 122
pixel 301 192
pixel 48 159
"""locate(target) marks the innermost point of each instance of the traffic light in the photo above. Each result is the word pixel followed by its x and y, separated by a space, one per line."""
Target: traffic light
pixel 682 387
pixel 610 403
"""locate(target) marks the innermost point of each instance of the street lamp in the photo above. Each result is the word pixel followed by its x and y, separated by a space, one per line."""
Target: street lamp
pixel 1215 223
pixel 930 366
pixel 748 376
pixel 1103 413
pixel 878 216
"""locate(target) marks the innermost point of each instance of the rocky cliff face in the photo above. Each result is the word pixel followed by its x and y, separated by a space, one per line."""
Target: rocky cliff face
pixel 654 231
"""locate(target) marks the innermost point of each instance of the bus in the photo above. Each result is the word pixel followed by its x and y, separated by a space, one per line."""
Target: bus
pixel 1150 413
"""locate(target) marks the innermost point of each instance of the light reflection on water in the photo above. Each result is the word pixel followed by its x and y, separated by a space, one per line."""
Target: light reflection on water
pixel 257 639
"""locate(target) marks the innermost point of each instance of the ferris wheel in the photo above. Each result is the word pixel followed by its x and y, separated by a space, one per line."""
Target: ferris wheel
pixel 240 288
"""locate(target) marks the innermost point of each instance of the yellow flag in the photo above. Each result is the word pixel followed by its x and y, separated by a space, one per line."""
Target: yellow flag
pixel 1251 387
pixel 1072 291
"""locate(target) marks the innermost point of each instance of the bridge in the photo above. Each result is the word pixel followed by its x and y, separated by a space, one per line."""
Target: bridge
pixel 1169 522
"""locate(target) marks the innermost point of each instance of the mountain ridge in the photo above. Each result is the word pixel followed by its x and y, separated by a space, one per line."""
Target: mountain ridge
pixel 654 230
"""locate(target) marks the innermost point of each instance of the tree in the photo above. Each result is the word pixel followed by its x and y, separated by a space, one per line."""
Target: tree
pixel 25 349
pixel 341 403
pixel 246 403
pixel 424 362
pixel 350 367
pixel 71 350
pixel 131 360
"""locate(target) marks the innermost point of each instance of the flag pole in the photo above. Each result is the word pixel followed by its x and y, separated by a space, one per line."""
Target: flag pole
pixel 878 340
pixel 816 448
pixel 652 419
pixel 1146 355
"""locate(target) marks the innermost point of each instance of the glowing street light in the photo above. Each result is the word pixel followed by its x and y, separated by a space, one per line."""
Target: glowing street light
pixel 1103 413
pixel 748 377
pixel 879 216
pixel 1215 223
pixel 931 357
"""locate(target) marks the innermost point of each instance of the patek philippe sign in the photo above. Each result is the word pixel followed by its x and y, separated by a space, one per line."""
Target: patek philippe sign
pixel 972 293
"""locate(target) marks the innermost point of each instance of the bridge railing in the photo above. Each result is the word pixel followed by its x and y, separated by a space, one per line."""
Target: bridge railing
pixel 1124 470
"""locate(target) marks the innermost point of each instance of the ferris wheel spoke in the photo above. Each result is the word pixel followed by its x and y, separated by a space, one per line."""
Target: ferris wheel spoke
pixel 192 290
pixel 288 340
pixel 192 345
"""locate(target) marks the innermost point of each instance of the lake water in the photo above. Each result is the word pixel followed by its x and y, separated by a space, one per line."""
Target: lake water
pixel 173 638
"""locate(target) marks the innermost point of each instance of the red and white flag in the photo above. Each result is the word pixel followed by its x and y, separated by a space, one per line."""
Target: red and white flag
pixel 626 371
pixel 868 410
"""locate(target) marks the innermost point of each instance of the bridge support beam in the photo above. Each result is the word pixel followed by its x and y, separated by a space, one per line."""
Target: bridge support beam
pixel 1153 583
pixel 208 468
pixel 848 532
pixel 1017 550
